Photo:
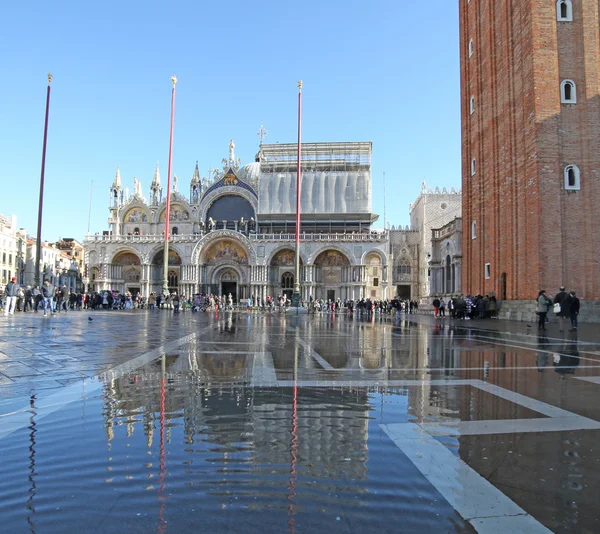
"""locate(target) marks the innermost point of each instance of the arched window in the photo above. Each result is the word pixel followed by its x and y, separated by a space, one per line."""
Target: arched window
pixel 471 47
pixel 572 178
pixel 473 167
pixel 474 230
pixel 568 92
pixel 175 230
pixel 472 105
pixel 287 281
pixel 173 279
pixel 136 231
pixel 564 11
pixel 449 288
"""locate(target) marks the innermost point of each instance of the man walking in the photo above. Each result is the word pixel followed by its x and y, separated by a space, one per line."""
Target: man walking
pixel 12 294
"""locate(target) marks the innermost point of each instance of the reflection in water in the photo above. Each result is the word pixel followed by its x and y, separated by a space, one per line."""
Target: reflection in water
pixel 298 457
pixel 162 459
pixel 32 473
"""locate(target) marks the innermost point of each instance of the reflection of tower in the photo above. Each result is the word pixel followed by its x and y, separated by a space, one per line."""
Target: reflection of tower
pixel 156 189
pixel 195 186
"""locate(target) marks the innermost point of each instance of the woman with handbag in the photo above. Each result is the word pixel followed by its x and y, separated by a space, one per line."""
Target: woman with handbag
pixel 543 304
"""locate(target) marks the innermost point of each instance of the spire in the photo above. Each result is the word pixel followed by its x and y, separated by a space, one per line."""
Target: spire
pixel 196 177
pixel 117 182
pixel 156 179
pixel 231 153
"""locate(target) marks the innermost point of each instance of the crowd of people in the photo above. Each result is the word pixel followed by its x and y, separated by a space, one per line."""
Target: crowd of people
pixel 52 300
pixel 466 307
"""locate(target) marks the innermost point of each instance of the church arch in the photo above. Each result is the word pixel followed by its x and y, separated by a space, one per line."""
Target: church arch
pixel 382 256
pixel 230 208
pixel 126 257
pixel 217 235
pixel 284 255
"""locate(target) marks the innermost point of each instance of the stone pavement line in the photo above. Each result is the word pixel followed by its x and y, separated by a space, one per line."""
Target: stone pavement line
pixel 263 369
pixel 14 421
pixel 478 501
pixel 322 362
pixel 592 379
pixel 534 348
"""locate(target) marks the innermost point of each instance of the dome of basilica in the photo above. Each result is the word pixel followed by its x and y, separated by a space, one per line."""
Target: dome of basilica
pixel 252 172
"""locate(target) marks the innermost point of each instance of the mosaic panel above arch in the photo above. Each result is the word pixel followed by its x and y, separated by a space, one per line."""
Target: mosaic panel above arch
pixel 178 213
pixel 285 258
pixel 126 258
pixel 136 215
pixel 174 258
pixel 225 250
pixel 332 258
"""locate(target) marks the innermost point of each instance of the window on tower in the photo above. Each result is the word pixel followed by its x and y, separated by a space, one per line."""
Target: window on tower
pixel 474 230
pixel 568 92
pixel 471 47
pixel 572 178
pixel 564 10
pixel 473 167
pixel 472 105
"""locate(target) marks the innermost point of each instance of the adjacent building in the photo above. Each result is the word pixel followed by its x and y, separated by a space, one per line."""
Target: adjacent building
pixel 530 86
pixel 12 250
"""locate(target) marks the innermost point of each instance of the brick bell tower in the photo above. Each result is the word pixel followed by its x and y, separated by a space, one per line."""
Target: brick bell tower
pixel 530 93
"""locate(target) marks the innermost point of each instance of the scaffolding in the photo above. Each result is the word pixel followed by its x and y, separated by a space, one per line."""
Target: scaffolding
pixel 316 157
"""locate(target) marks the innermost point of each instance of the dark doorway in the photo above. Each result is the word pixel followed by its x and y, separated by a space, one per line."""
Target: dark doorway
pixel 229 287
pixel 134 291
pixel 403 292
pixel 331 295
pixel 503 286
pixel 288 293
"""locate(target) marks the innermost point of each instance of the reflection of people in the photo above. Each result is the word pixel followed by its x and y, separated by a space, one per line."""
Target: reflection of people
pixel 567 361
pixel 541 356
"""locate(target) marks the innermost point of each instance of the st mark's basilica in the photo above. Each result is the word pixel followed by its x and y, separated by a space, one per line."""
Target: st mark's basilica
pixel 234 232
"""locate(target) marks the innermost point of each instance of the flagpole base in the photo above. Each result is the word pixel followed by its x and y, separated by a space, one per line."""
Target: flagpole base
pixel 296 308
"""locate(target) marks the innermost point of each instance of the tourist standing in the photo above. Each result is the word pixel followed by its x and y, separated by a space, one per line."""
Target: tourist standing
pixel 561 312
pixel 436 307
pixel 543 304
pixel 48 295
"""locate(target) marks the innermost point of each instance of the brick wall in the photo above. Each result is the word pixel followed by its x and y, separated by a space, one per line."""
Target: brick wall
pixel 522 137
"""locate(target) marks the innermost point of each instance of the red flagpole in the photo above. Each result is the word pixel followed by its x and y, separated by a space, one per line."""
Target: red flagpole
pixel 297 297
pixel 38 245
pixel 168 210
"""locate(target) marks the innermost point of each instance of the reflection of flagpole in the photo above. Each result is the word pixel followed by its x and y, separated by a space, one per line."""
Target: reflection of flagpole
pixel 168 210
pixel 38 245
pixel 162 458
pixel 32 472
pixel 293 448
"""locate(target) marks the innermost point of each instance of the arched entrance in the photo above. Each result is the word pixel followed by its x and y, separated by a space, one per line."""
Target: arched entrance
pixel 287 284
pixel 173 272
pixel 126 266
pixel 282 277
pixel 329 270
pixel 224 264
pixel 228 283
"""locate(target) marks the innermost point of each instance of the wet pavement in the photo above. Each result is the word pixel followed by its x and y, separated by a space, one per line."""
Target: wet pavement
pixel 148 421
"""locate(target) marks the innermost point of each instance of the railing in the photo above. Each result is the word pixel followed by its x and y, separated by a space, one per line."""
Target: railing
pixel 179 238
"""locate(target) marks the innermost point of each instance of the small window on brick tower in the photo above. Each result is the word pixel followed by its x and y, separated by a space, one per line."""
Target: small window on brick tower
pixel 572 178
pixel 568 92
pixel 472 105
pixel 564 10
pixel 473 167
pixel 488 271
pixel 474 230
pixel 471 47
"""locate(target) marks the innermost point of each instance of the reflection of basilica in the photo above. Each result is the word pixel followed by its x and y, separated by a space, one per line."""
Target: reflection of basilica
pixel 235 231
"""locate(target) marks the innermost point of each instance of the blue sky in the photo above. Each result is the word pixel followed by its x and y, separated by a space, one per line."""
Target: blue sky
pixel 381 71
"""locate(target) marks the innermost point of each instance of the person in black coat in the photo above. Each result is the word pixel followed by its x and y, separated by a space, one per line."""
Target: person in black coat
pixel 559 298
pixel 574 306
